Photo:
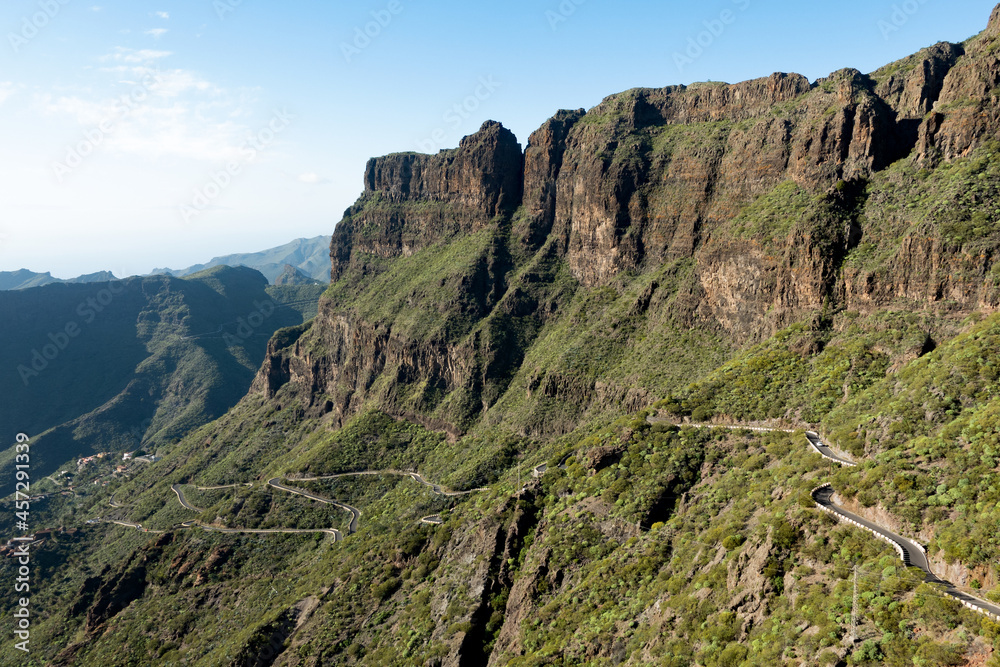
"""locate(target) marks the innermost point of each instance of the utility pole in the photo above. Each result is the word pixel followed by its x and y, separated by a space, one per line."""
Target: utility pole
pixel 854 609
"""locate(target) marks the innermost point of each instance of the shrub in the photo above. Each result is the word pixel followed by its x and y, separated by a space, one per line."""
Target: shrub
pixel 828 659
pixel 733 542
pixel 701 414
pixel 385 590
pixel 733 655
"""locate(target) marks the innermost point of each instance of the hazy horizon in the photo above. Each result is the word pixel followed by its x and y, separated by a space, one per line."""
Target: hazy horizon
pixel 166 134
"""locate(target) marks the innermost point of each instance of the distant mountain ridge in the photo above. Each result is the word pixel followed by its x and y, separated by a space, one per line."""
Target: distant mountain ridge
pixel 294 276
pixel 138 361
pixel 23 279
pixel 310 256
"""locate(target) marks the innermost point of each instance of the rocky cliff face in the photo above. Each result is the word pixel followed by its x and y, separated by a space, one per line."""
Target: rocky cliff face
pixel 763 194
pixel 965 115
pixel 335 370
pixel 411 201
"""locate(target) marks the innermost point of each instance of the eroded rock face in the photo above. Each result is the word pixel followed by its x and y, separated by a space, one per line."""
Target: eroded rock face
pixel 913 86
pixel 354 353
pixel 648 178
pixel 413 200
pixel 543 160
pixel 966 115
pixel 483 174
pixel 649 174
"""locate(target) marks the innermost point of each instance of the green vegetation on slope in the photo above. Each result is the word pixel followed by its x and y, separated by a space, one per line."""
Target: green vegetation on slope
pixel 653 545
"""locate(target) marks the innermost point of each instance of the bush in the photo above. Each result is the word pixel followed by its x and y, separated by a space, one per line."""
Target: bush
pixel 702 414
pixel 385 590
pixel 733 542
pixel 733 655
pixel 828 659
pixel 785 535
pixel 869 652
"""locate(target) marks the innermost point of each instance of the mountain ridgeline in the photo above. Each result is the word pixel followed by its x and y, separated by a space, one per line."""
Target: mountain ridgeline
pixel 732 210
pixel 308 256
pixel 23 279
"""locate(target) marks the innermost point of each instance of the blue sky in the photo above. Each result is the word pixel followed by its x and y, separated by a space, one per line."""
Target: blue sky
pixel 139 134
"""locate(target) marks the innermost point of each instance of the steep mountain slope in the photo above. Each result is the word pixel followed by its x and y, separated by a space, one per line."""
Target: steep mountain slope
pixel 308 255
pixel 525 325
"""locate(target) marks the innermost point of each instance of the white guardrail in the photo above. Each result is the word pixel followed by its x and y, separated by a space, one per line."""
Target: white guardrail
pixel 829 458
pixel 843 519
pixel 899 549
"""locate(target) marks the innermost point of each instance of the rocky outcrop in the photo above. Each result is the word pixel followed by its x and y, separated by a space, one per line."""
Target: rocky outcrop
pixel 745 576
pixel 966 114
pixel 927 271
pixel 121 588
pixel 912 86
pixel 483 174
pixel 648 175
pixel 336 373
pixel 412 200
pixel 543 160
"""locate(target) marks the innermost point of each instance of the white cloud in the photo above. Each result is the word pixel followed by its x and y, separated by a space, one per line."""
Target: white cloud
pixel 163 15
pixel 312 178
pixel 174 83
pixel 124 55
pixel 157 32
pixel 85 112
pixel 155 112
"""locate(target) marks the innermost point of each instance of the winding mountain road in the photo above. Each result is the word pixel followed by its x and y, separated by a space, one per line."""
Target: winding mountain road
pixel 355 512
pixel 276 483
pixel 262 531
pixel 437 489
pixel 542 468
pixel 137 526
pixel 911 553
pixel 176 488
